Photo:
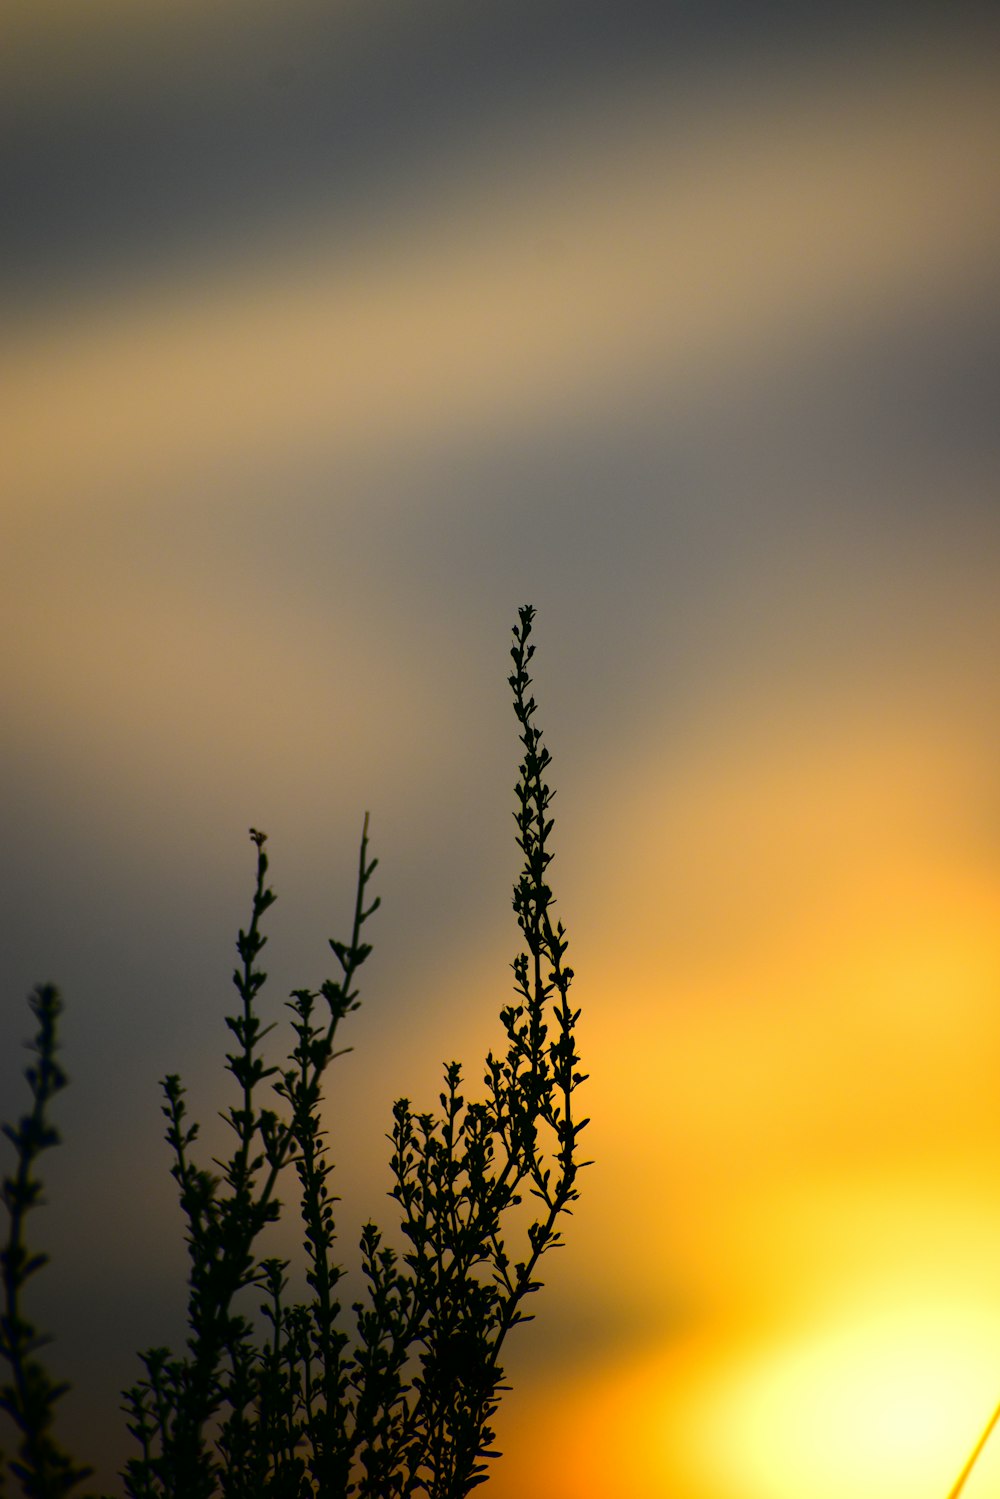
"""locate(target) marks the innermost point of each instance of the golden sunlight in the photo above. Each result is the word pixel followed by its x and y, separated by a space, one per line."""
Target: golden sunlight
pixel 884 1400
pixel 698 357
pixel 821 1250
pixel 879 1402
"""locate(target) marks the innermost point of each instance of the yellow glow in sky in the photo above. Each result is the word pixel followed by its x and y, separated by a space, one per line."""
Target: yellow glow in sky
pixel 253 542
pixel 881 1401
pixel 878 1390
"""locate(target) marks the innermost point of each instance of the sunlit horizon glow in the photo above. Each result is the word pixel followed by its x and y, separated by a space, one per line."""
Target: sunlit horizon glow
pixel 877 1382
pixel 878 1402
pixel 700 359
pixel 882 1395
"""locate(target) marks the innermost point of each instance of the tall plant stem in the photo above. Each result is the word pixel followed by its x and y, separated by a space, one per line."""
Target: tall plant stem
pixel 974 1455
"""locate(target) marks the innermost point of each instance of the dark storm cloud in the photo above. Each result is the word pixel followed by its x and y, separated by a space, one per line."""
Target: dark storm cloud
pixel 148 155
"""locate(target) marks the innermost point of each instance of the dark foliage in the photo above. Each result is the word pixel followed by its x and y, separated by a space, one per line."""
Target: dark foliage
pixel 393 1397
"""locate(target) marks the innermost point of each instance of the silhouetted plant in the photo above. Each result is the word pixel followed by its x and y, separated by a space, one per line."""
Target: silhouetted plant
pixel 42 1467
pixel 293 1404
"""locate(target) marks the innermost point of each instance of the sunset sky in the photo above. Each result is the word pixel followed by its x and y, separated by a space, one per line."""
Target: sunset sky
pixel 331 331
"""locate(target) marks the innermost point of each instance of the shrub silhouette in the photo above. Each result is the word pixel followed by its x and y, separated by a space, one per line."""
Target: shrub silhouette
pixel 395 1398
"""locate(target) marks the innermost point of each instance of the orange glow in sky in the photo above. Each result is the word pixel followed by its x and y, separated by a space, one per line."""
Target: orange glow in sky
pixel 696 356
